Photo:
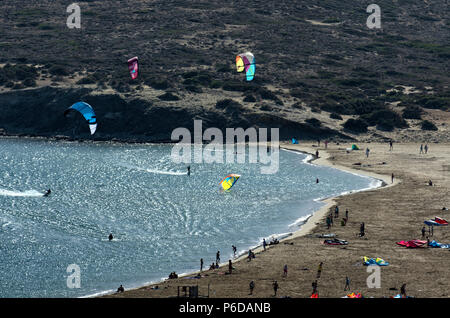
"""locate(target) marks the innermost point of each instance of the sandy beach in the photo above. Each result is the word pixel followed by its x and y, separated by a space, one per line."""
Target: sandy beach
pixel 391 213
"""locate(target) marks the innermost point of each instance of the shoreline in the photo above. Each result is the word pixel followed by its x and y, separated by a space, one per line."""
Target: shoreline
pixel 309 224
pixel 314 219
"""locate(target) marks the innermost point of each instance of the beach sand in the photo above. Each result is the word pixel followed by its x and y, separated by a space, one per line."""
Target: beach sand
pixel 392 213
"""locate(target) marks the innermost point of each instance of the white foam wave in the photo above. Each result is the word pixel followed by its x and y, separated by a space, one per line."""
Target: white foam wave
pixel 14 193
pixel 166 172
pixel 300 221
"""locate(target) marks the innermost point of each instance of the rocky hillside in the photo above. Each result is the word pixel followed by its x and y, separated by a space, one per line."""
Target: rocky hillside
pixel 320 71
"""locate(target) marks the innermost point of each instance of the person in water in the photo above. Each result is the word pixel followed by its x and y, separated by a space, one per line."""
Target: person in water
pixel 46 194
pixel 110 237
pixel 189 170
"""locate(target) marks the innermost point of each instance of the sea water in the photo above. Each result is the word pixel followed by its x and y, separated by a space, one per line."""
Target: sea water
pixel 162 219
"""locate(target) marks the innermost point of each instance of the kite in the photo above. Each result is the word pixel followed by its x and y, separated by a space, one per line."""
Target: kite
pixel 246 61
pixel 133 66
pixel 88 113
pixel 229 181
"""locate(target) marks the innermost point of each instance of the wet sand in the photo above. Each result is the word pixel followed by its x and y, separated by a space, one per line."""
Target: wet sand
pixel 392 213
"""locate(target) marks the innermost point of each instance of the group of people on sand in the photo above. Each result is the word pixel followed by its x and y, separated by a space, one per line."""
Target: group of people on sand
pixel 423 149
pixel 173 275
pixel 330 217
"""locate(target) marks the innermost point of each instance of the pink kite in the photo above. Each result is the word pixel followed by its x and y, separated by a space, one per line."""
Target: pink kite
pixel 412 243
pixel 133 67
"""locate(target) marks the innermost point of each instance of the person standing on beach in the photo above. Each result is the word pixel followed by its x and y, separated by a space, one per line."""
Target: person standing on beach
pixel 423 231
pixel 328 222
pixel 361 230
pixel 346 215
pixel 421 148
pixel 347 283
pixel 218 257
pixel 426 148
pixel 285 270
pixel 230 266
pixel 367 152
pixel 250 255
pixel 336 212
pixel 275 288
pixel 392 178
pixel 201 264
pixel 331 218
pixel 314 287
pixel 252 286
pixel 317 154
pixel 264 244
pixel 319 270
pixel 391 147
pixel 403 290
pixel 326 144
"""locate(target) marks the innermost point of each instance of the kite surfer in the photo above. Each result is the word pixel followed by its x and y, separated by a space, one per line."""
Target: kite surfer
pixel 47 193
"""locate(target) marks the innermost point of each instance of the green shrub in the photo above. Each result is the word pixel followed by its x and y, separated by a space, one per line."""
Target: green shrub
pixel 168 97
pixel 161 84
pixel 334 108
pixel 313 122
pixel 249 99
pixel 29 82
pixel 335 116
pixel 356 125
pixel 412 112
pixel 58 70
pixel 267 94
pixel 385 119
pixel 86 80
pixel 193 89
pixel 434 102
pixel 298 92
pixel 297 105
pixel 229 105
pixel 428 125
pixel 223 68
pixel 265 107
pixel 215 84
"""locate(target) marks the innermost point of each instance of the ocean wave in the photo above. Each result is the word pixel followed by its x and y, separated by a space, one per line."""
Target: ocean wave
pixel 156 171
pixel 14 193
